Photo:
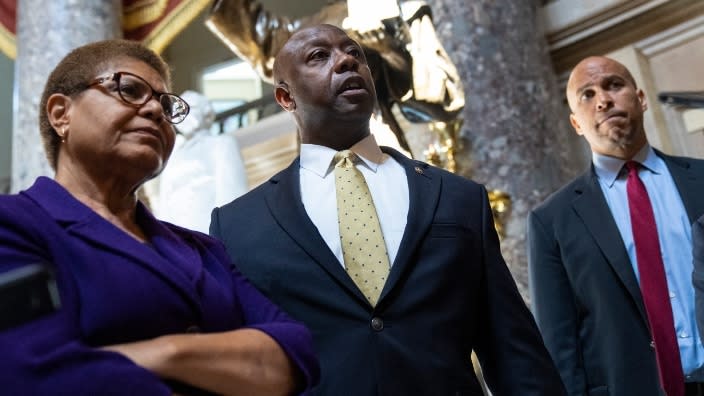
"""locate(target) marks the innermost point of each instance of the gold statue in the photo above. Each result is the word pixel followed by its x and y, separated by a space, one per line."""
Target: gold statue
pixel 410 67
pixel 500 203
pixel 441 151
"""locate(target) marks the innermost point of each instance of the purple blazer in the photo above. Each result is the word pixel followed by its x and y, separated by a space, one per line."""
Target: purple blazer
pixel 114 289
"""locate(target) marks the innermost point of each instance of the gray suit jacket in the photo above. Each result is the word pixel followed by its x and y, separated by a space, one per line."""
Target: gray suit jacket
pixel 585 295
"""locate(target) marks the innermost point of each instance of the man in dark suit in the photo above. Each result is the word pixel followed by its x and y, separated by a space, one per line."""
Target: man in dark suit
pixel 447 292
pixel 587 260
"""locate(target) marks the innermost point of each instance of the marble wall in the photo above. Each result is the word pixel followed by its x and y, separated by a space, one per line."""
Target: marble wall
pixel 46 31
pixel 6 71
pixel 516 135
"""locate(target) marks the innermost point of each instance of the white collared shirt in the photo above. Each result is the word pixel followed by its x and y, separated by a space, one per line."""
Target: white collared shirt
pixel 387 183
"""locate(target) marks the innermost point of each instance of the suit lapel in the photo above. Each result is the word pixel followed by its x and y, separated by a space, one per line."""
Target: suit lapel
pixel 592 208
pixel 690 184
pixel 423 192
pixel 283 198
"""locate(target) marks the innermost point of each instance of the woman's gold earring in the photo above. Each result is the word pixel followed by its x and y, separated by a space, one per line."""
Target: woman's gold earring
pixel 63 134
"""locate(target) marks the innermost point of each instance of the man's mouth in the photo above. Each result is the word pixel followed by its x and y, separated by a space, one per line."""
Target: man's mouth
pixel 616 114
pixel 352 84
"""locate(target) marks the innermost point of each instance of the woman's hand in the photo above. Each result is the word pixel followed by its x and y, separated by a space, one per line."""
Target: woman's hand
pixel 150 354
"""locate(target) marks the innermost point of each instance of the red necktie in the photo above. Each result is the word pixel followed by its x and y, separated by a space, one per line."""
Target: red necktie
pixel 653 284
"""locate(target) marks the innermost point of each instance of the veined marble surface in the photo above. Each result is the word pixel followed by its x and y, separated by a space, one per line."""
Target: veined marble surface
pixel 46 32
pixel 516 135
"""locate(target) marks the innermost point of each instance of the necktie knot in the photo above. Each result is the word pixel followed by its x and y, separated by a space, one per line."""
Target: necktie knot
pixel 344 159
pixel 632 166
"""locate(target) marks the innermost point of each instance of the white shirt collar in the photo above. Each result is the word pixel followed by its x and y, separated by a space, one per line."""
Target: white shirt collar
pixel 318 159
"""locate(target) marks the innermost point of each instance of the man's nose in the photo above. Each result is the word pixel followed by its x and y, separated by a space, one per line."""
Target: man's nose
pixel 346 62
pixel 603 101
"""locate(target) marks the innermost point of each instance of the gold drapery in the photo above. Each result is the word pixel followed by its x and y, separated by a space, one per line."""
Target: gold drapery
pixel 153 22
pixel 156 22
pixel 8 11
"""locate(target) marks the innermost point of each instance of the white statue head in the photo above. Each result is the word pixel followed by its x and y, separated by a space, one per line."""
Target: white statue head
pixel 201 116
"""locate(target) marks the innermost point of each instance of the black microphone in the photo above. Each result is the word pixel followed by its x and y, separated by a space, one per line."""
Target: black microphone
pixel 27 293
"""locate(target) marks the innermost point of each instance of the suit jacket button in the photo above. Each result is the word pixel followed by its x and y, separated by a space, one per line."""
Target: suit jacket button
pixel 193 329
pixel 377 324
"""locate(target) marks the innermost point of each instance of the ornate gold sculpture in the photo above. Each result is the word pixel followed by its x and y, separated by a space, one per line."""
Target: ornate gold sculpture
pixel 500 203
pixel 441 151
pixel 410 66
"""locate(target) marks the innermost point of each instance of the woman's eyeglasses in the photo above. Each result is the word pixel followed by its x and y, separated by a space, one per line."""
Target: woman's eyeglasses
pixel 133 90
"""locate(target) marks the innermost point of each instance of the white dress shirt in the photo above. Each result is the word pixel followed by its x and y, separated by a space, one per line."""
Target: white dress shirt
pixel 387 183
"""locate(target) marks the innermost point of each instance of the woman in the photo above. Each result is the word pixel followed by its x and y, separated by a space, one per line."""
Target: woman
pixel 147 308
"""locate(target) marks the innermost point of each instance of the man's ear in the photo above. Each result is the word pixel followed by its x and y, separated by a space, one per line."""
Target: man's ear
pixel 283 97
pixel 643 99
pixel 575 124
pixel 57 108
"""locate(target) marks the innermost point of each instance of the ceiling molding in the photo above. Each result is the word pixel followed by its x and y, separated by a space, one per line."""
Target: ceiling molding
pixel 568 21
pixel 623 24
pixel 671 38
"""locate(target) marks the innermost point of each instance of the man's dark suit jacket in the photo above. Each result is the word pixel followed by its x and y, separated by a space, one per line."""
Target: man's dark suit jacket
pixel 585 295
pixel 698 273
pixel 449 292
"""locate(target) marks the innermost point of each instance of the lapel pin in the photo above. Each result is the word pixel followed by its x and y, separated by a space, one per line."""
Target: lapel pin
pixel 419 170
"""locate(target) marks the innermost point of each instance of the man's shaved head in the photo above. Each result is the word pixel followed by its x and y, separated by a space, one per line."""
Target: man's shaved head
pixel 607 107
pixel 588 65
pixel 321 76
pixel 282 60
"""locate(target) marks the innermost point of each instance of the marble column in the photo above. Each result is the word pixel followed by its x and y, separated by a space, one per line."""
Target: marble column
pixel 516 135
pixel 46 31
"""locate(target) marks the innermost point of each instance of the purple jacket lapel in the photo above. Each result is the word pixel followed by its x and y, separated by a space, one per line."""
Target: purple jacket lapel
pixel 167 256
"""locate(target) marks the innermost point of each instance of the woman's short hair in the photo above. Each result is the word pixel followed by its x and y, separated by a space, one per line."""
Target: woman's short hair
pixel 76 71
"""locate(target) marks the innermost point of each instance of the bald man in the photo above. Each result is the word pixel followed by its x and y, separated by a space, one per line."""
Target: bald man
pixel 444 291
pixel 592 249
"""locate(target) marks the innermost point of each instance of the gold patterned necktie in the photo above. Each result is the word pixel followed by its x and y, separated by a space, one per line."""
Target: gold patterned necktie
pixel 363 247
